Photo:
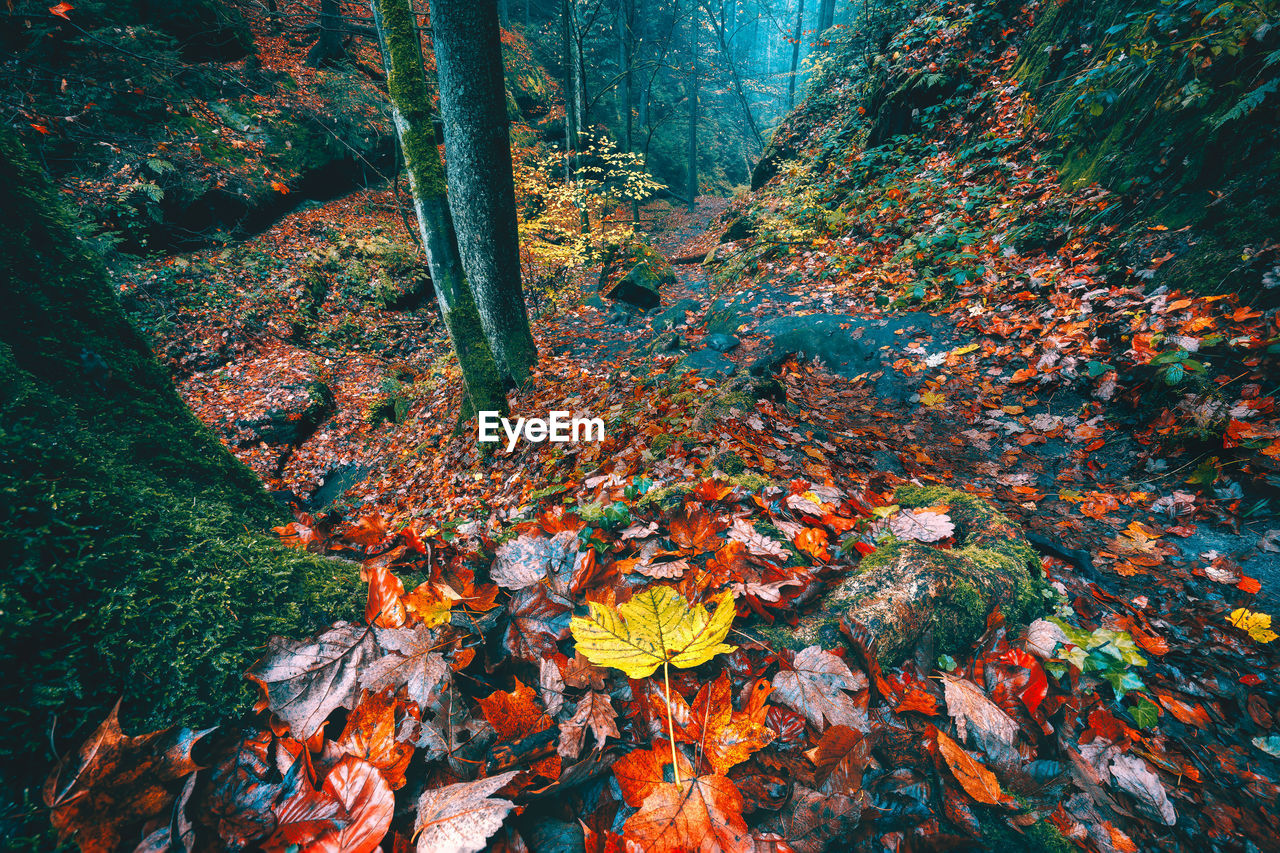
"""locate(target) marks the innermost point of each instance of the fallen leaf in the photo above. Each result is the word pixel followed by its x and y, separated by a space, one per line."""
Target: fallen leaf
pixel 305 680
pixel 658 625
pixel 460 818
pixel 815 687
pixel 977 781
pixel 703 813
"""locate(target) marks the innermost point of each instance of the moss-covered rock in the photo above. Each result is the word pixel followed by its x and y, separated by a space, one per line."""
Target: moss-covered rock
pixel 137 555
pixel 647 273
pixel 907 588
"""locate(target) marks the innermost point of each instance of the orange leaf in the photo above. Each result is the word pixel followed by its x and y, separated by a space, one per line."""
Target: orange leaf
pixel 1249 585
pixel 641 771
pixel 979 782
pixel 696 531
pixel 704 813
pixel 813 541
pixel 116 780
pixel 1022 375
pixel 515 716
pixel 918 700
pixel 61 10
pixel 384 607
pixel 367 798
pixel 370 734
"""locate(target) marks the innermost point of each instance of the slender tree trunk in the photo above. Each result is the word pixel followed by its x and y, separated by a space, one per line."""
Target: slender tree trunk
pixel 482 192
pixel 628 85
pixel 407 88
pixel 723 39
pixel 795 58
pixel 826 15
pixel 328 47
pixel 504 13
pixel 695 70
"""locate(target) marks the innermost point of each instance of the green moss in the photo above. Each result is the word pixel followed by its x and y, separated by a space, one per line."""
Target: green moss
pixel 407 86
pixel 665 497
pixel 137 557
pixel 729 462
pixel 1040 837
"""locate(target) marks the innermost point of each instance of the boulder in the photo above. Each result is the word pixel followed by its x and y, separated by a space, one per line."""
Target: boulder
pixel 647 272
pixel 852 346
pixel 293 414
pixel 905 589
pixel 721 342
pixel 674 316
pixel 707 363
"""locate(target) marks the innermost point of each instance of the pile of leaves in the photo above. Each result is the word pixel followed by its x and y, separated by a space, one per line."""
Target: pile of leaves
pixel 603 682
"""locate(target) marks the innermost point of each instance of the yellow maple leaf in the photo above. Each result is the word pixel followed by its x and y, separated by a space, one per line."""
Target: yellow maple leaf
pixel 932 399
pixel 657 626
pixel 1257 624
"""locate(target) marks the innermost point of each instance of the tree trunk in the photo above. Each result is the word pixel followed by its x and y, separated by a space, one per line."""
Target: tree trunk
pixel 695 70
pixel 628 85
pixel 135 560
pixel 328 47
pixel 410 106
pixel 482 192
pixel 795 58
pixel 826 15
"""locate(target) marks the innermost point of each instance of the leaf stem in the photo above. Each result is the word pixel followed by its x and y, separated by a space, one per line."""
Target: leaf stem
pixel 671 725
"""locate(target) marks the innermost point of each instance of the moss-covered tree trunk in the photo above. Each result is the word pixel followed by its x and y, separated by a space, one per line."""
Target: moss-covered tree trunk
pixel 136 554
pixel 411 110
pixel 482 194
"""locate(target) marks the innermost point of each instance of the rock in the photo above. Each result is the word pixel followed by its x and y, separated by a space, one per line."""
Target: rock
pixel 728 314
pixel 667 342
pixel 852 346
pixel 706 363
pixel 334 485
pixel 721 342
pixel 674 317
pixel 906 588
pixel 1243 549
pixel 297 410
pixel 642 284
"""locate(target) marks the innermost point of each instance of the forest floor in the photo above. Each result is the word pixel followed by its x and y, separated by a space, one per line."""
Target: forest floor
pixel 1157 729
pixel 1139 713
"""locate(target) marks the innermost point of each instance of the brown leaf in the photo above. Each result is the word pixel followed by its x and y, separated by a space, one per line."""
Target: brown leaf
pixel 815 687
pixel 977 781
pixel 595 711
pixel 704 813
pixel 460 818
pixel 839 759
pixel 413 664
pixel 305 680
pixel 968 705
pixel 817 819
pixel 115 780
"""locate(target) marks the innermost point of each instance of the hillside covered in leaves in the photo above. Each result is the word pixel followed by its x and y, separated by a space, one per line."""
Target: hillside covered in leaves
pixel 935 508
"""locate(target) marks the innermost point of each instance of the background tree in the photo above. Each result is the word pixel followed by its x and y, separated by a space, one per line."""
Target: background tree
pixel 482 197
pixel 411 108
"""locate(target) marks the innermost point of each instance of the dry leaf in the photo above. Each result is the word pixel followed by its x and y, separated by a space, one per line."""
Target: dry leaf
pixel 460 818
pixel 815 687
